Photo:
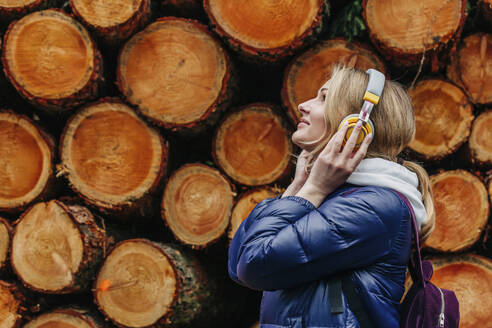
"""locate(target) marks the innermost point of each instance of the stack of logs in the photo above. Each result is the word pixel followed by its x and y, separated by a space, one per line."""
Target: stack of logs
pixel 137 135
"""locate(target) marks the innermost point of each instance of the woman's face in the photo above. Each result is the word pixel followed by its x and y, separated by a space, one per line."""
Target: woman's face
pixel 312 123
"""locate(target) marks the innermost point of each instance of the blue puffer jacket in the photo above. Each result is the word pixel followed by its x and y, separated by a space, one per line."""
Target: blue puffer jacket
pixel 289 249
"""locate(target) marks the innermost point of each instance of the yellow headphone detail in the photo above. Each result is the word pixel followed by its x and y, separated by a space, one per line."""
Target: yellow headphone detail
pixel 371 97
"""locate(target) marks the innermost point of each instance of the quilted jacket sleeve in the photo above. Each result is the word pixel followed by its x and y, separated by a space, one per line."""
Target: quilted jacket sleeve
pixel 286 242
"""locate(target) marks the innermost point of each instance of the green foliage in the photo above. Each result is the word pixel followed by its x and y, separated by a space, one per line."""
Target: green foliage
pixel 348 23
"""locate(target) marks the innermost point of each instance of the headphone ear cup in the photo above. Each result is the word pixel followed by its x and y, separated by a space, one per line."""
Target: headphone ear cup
pixel 366 128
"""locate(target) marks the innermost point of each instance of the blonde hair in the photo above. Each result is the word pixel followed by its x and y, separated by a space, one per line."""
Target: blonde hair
pixel 394 124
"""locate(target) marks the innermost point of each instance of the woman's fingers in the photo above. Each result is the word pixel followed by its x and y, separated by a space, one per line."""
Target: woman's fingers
pixel 336 141
pixel 352 141
pixel 361 152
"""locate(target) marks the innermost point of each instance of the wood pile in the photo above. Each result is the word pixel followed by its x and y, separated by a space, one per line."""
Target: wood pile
pixel 137 135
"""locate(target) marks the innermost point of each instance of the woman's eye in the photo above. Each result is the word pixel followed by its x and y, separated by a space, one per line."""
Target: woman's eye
pixel 323 97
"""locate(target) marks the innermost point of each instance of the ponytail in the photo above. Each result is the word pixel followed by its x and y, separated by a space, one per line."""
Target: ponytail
pixel 425 189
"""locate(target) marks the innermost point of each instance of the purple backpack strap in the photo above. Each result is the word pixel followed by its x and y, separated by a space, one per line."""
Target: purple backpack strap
pixel 416 269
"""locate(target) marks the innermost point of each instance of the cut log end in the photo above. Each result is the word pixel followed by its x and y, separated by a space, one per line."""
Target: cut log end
pixel 413 26
pixel 308 72
pixel 26 161
pixel 113 21
pixel 175 72
pixel 55 248
pixel 262 24
pixel 10 312
pixel 245 205
pixel 443 118
pixel 252 146
pixel 62 319
pixel 480 141
pixel 5 230
pixel 111 167
pixel 106 14
pixel 469 68
pixel 49 56
pixel 197 204
pixel 462 209
pixel 137 284
pixel 47 248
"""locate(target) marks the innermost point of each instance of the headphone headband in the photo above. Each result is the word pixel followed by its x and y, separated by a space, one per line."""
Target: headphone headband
pixel 375 86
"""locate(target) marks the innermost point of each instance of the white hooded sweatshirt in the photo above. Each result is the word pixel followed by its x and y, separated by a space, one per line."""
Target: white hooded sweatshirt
pixel 384 173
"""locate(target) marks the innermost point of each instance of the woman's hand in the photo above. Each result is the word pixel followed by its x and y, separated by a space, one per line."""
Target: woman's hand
pixel 333 167
pixel 300 176
pixel 301 173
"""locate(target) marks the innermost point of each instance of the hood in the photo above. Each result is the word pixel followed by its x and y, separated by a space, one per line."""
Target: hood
pixel 384 173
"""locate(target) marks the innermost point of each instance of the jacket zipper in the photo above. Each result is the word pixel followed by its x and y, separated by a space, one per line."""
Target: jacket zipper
pixel 441 316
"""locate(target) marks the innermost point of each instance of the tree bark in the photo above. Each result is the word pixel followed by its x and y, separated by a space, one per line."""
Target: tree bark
pixel 162 285
pixel 245 204
pixel 54 65
pixel 67 317
pixel 115 21
pixel 5 239
pixel 443 119
pixel 252 145
pixel 115 170
pixel 462 209
pixel 264 32
pixel 17 304
pixel 469 67
pixel 309 71
pixel 177 75
pixel 197 205
pixel 56 248
pixel 480 142
pixel 27 158
pixel 15 9
pixel 403 30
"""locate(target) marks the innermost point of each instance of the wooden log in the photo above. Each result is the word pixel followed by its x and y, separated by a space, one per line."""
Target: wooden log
pixel 56 248
pixel 443 118
pixel 309 71
pixel 266 31
pixel 15 304
pixel 5 237
pixel 197 205
pixel 68 317
pixel 27 156
pixel 480 142
pixel 176 74
pixel 402 31
pixel 113 21
pixel 462 209
pixel 468 68
pixel 470 277
pixel 115 169
pixel 252 145
pixel 51 60
pixel 15 9
pixel 245 204
pixel 147 284
pixel 10 306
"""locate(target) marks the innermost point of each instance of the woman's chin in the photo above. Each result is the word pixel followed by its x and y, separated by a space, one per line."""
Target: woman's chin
pixel 304 145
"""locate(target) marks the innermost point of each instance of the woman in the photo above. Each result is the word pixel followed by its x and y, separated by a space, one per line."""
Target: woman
pixel 341 215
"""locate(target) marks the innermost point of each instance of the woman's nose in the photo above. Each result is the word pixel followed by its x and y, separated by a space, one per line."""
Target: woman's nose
pixel 303 109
